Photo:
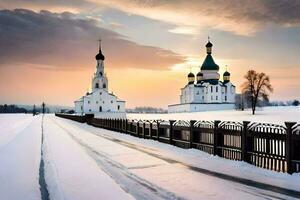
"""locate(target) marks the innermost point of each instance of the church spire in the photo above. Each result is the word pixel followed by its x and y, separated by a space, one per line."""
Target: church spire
pixel 100 56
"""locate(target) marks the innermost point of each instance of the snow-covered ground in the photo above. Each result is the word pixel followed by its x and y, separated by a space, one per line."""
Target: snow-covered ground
pixel 277 115
pixel 84 162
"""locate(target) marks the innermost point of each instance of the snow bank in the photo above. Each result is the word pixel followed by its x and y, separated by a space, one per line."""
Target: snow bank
pixel 276 115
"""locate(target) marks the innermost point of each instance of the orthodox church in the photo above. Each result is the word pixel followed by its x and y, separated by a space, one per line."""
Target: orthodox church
pixel 100 101
pixel 207 92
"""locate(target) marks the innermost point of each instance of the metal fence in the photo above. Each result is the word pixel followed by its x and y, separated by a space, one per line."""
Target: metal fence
pixel 269 146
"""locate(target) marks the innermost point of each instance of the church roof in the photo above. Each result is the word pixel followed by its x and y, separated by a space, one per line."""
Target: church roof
pixel 209 63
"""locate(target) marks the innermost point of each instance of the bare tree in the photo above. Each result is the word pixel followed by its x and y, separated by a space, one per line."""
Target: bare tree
pixel 256 87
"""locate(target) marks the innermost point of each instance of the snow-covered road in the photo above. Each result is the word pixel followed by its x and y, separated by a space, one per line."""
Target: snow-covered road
pixel 84 162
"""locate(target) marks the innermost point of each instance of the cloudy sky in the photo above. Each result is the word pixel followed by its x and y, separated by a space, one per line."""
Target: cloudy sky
pixel 47 47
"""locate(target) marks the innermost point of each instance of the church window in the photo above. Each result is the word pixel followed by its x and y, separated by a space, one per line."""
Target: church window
pixel 225 98
pixel 211 97
pixel 216 97
pixel 197 93
pixel 100 93
pixel 202 97
pixel 111 101
pixel 217 88
pixel 89 102
pixel 96 102
pixel 100 73
pixel 104 85
pixel 90 110
pixel 226 89
pixel 97 85
pixel 211 89
pixel 118 107
pixel 100 109
pixel 103 101
pixel 81 107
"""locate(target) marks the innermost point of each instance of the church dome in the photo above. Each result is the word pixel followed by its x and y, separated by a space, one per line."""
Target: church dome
pixel 200 74
pixel 209 44
pixel 190 75
pixel 191 78
pixel 226 73
pixel 209 63
pixel 100 56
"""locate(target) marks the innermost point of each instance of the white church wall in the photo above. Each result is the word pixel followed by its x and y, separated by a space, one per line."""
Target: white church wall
pixel 199 107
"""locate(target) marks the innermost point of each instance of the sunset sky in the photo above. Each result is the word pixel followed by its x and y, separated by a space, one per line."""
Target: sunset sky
pixel 48 47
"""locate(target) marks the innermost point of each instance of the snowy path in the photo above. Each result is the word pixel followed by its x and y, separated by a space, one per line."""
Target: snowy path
pixel 71 173
pixel 20 157
pixel 152 167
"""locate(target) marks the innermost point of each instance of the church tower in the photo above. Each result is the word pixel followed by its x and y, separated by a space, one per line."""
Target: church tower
pixel 99 80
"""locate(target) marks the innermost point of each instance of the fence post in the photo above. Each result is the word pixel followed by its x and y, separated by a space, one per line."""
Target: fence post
pixel 289 147
pixel 157 131
pixel 192 122
pixel 216 137
pixel 171 131
pixel 150 129
pixel 245 144
pixel 126 126
pixel 144 126
pixel 137 129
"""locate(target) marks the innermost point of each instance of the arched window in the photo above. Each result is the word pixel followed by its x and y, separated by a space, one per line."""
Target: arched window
pixel 100 74
pixel 118 107
pixel 100 109
pixel 104 85
pixel 97 85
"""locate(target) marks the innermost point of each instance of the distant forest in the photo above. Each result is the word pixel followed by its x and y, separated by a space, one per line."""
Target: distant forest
pixel 12 109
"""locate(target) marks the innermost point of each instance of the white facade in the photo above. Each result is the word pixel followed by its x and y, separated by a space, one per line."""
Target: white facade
pixel 207 92
pixel 100 101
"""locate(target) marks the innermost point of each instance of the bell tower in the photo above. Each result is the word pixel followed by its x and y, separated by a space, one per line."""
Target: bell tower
pixel 99 80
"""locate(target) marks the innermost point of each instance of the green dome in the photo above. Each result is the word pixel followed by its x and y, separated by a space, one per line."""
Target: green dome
pixel 209 64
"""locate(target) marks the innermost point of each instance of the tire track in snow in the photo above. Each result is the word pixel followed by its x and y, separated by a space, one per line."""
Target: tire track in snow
pixel 129 182
pixel 42 181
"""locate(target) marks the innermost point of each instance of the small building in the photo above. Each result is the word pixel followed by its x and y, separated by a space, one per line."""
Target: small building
pixel 207 92
pixel 100 101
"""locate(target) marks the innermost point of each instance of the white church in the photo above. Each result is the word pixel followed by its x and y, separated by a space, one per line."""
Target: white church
pixel 100 101
pixel 207 92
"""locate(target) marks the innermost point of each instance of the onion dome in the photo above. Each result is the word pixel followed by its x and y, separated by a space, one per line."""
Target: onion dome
pixel 226 73
pixel 226 77
pixel 199 77
pixel 100 56
pixel 209 44
pixel 191 78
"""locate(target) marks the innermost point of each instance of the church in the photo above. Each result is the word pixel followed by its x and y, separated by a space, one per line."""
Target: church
pixel 207 92
pixel 100 101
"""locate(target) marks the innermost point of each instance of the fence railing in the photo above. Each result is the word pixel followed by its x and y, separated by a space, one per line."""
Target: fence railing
pixel 269 146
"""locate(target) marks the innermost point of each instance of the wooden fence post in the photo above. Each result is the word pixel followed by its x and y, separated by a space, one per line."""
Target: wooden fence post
pixel 216 137
pixel 289 147
pixel 150 130
pixel 137 130
pixel 126 126
pixel 171 131
pixel 157 131
pixel 245 144
pixel 144 126
pixel 192 122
